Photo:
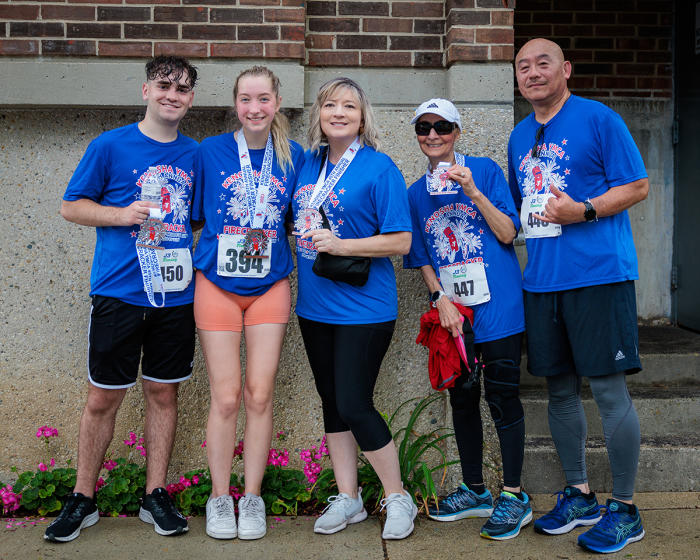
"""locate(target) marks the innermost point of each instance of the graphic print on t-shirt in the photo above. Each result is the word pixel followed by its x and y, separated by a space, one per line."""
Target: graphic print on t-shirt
pixel 237 208
pixel 545 170
pixel 453 234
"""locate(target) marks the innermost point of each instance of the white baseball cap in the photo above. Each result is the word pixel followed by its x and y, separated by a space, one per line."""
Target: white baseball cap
pixel 441 107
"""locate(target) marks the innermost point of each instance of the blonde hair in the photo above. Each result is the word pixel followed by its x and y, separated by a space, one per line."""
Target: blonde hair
pixel 368 129
pixel 280 124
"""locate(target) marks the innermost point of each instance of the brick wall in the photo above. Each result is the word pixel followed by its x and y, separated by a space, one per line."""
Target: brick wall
pixel 619 48
pixel 132 28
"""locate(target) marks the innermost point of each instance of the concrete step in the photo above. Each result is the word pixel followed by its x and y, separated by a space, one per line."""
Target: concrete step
pixel 668 464
pixel 662 412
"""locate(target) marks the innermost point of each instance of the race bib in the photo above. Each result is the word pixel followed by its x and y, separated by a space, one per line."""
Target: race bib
pixel 465 283
pixel 175 270
pixel 234 260
pixel 532 226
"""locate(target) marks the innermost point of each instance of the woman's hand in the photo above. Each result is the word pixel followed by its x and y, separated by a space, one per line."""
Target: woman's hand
pixel 450 317
pixel 463 177
pixel 326 242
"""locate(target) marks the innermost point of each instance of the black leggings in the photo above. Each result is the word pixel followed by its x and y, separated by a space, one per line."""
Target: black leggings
pixel 345 360
pixel 501 383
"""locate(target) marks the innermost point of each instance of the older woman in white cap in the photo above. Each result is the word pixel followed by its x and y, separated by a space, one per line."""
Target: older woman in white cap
pixel 464 223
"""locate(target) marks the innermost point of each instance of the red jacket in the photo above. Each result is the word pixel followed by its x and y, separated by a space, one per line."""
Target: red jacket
pixel 444 365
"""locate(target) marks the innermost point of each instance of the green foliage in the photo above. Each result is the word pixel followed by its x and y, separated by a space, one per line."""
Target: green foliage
pixel 45 491
pixel 193 499
pixel 283 490
pixel 123 489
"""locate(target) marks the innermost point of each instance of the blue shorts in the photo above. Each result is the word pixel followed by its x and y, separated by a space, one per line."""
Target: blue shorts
pixel 590 331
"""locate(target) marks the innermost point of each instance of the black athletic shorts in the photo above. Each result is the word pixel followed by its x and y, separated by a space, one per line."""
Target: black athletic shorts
pixel 119 332
pixel 589 331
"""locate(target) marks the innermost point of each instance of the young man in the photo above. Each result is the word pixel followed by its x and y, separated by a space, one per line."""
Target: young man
pixel 574 170
pixel 134 184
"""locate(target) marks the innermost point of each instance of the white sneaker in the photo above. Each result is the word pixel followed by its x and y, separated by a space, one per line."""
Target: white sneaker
pixel 252 523
pixel 221 519
pixel 341 510
pixel 400 513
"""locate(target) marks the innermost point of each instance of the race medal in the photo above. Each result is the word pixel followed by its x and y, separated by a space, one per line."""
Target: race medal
pixel 255 244
pixel 439 182
pixel 307 219
pixel 151 234
pixel 175 269
pixel 532 226
pixel 233 259
pixel 465 282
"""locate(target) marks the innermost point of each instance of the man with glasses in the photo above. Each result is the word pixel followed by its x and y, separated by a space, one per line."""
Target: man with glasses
pixel 464 222
pixel 574 169
pixel 134 184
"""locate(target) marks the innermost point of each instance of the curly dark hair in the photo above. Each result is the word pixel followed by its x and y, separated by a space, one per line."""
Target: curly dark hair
pixel 164 66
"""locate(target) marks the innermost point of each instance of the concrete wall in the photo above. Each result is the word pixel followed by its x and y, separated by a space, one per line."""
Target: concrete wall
pixel 45 263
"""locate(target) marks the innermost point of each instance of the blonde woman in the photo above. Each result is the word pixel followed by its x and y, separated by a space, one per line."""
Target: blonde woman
pixel 244 181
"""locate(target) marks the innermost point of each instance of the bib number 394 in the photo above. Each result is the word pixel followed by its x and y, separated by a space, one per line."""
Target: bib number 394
pixel 175 269
pixel 532 226
pixel 232 259
pixel 465 283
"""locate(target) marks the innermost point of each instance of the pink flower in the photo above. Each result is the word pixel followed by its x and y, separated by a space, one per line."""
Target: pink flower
pixel 239 449
pixel 109 464
pixel 42 467
pixel 185 482
pixel 204 443
pixel 195 479
pixel 52 462
pixel 100 484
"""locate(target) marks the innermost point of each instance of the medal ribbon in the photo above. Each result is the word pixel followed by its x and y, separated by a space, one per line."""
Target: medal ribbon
pixel 150 270
pixel 459 159
pixel 256 199
pixel 323 188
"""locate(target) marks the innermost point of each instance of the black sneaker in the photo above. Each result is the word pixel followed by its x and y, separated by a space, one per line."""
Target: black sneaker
pixel 158 509
pixel 78 513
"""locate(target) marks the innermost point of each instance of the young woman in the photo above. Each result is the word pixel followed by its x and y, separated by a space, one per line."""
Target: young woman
pixel 347 328
pixel 244 182
pixel 464 223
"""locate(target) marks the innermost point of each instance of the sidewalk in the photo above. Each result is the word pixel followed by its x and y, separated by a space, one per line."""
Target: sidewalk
pixel 671 521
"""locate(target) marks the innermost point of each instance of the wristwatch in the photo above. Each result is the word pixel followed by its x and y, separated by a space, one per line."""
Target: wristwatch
pixel 435 296
pixel 589 214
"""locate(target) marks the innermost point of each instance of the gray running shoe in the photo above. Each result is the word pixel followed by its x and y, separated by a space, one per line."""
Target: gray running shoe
pixel 340 511
pixel 400 513
pixel 221 519
pixel 251 517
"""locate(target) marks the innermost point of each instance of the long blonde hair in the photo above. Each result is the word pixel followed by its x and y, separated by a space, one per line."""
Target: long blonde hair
pixel 280 124
pixel 368 129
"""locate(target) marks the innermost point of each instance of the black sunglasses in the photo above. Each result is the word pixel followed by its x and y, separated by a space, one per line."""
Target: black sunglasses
pixel 535 152
pixel 423 128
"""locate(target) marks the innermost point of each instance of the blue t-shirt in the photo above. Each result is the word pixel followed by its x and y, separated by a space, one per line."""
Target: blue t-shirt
pixel 370 198
pixel 220 200
pixel 585 150
pixel 471 237
pixel 110 173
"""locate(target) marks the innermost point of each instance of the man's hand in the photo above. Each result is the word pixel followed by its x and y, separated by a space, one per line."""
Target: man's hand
pixel 561 209
pixel 135 214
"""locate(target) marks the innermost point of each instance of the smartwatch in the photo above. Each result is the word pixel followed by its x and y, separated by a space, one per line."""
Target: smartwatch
pixel 435 296
pixel 589 214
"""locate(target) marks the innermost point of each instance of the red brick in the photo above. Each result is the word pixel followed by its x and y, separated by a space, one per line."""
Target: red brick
pixel 551 17
pixel 654 31
pixel 28 29
pixel 594 17
pixel 21 12
pixel 428 59
pixel 334 25
pixel 565 5
pixel 460 35
pixel 142 2
pixel 579 82
pixel 122 13
pixel 384 25
pixel 494 36
pixel 71 13
pixel 284 50
pixel 501 52
pixel 580 55
pixel 614 56
pixel 635 93
pixel 386 59
pixel 590 43
pixel 324 42
pixel 125 48
pixel 456 53
pixel 258 32
pixel 150 31
pixel 237 50
pixel 288 15
pixel 595 69
pixel 654 56
pixel 236 15
pixel 458 5
pixel 468 18
pixel 522 17
pixel 334 58
pixel 489 3
pixel 654 83
pixel 189 50
pixel 11 47
pixel 295 3
pixel 417 9
pixel 70 48
pixel 94 30
pixel 361 42
pixel 178 14
pixel 502 17
pixel 413 43
pixel 614 30
pixel 101 2
pixel 363 8
pixel 636 69
pixel 661 93
pixel 607 82
pixel 573 30
pixel 209 2
pixel 654 5
pixel 635 44
pixel 637 18
pixel 429 26
pixel 209 32
pixel 292 32
pixel 320 8
pixel 535 30
pixel 256 3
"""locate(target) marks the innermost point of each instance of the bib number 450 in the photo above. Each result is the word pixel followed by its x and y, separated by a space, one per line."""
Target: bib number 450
pixel 172 273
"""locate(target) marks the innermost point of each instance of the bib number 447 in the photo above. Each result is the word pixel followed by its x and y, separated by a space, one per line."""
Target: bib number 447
pixel 464 288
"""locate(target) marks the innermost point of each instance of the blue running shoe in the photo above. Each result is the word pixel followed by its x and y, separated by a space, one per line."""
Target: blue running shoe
pixel 462 503
pixel 621 525
pixel 509 516
pixel 572 510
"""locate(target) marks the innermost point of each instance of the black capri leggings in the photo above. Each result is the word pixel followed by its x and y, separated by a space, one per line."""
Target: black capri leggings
pixel 345 360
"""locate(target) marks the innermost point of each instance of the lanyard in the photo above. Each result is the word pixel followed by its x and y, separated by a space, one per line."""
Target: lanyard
pixel 256 199
pixel 323 188
pixel 459 159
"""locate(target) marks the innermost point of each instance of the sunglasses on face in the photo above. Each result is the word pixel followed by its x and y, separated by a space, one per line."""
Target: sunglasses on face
pixel 423 128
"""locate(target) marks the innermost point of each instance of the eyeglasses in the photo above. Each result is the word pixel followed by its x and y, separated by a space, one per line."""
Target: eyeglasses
pixel 535 152
pixel 423 128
